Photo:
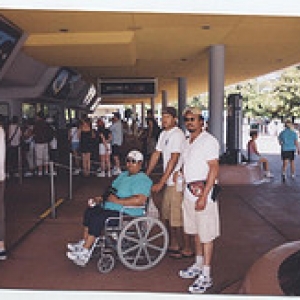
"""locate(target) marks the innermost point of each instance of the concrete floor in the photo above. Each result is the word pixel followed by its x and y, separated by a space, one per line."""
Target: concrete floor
pixel 254 220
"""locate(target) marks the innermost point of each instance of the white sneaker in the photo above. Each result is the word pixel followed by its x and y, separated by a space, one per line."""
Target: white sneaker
pixel 101 174
pixel 109 174
pixel 75 247
pixel 293 176
pixel 117 172
pixel 81 257
pixel 28 174
pixel 191 272
pixel 3 255
pixel 40 173
pixel 268 174
pixel 76 172
pixel 200 285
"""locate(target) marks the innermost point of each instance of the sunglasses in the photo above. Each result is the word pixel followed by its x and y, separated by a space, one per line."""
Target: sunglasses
pixel 189 119
pixel 132 161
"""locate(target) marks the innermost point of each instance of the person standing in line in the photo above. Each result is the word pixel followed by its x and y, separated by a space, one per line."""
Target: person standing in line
pixel 117 139
pixel 170 143
pixel 74 140
pixel 43 134
pixel 13 144
pixel 288 140
pixel 2 186
pixel 200 160
pixel 85 141
pixel 104 149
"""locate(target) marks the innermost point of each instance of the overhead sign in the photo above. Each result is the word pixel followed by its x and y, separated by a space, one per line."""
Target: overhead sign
pixel 9 37
pixel 125 88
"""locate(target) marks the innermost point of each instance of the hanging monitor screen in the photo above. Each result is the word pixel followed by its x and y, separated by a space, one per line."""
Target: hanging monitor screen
pixel 62 83
pixel 127 87
pixel 9 37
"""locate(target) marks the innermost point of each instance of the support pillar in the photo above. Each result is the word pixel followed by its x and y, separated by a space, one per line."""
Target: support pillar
pixel 182 91
pixel 164 99
pixel 216 92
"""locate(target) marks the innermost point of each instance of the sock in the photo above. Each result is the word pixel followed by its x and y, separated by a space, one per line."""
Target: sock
pixel 199 260
pixel 206 271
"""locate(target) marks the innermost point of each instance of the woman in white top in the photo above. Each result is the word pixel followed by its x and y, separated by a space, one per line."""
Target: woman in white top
pixel 73 137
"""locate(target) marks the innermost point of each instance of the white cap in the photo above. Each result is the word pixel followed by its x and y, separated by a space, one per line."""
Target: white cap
pixel 135 154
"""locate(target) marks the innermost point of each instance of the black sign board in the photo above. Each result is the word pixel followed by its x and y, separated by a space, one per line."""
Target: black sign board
pixel 127 88
pixel 9 37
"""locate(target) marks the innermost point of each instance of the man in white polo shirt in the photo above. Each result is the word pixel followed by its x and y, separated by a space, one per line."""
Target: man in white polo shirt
pixel 170 146
pixel 200 212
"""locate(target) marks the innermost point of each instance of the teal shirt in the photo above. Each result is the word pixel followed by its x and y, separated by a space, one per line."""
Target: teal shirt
pixel 287 139
pixel 127 186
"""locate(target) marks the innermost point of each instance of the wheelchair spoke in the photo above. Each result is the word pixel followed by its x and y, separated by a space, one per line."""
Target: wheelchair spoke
pixel 137 256
pixel 154 237
pixel 133 248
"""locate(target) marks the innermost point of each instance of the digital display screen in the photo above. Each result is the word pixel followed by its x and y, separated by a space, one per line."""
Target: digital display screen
pixel 136 88
pixel 9 37
pixel 62 83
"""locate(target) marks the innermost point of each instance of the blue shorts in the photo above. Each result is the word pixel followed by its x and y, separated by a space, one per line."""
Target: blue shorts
pixel 75 146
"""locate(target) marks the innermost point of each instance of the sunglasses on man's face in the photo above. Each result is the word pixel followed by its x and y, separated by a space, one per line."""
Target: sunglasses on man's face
pixel 132 161
pixel 192 119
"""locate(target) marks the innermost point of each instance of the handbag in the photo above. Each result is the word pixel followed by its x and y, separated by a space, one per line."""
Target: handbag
pixel 197 187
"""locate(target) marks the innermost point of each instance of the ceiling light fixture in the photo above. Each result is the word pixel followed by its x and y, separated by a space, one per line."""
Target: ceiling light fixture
pixel 205 27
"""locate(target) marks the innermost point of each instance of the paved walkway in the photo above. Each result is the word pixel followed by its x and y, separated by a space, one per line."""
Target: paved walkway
pixel 255 219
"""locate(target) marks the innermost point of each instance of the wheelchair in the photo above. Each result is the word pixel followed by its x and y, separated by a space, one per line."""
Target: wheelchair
pixel 139 243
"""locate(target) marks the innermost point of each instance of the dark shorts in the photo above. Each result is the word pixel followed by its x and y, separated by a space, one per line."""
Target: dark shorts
pixel 94 218
pixel 287 155
pixel 115 150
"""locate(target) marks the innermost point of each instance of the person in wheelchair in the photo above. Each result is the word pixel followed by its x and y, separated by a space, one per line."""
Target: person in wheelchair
pixel 131 188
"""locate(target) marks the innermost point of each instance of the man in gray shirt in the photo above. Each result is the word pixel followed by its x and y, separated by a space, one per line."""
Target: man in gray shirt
pixel 117 140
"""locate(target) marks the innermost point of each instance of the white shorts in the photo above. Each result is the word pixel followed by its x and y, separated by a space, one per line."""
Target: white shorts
pixel 41 154
pixel 104 150
pixel 205 223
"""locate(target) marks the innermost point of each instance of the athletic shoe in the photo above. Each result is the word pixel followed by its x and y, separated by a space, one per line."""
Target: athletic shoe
pixel 200 285
pixel 76 172
pixel 191 272
pixel 3 255
pixel 28 174
pixel 81 257
pixel 74 247
pixel 40 173
pixel 109 174
pixel 101 174
pixel 293 176
pixel 117 172
pixel 268 174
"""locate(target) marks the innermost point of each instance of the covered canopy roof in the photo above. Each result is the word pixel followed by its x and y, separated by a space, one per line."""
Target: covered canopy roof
pixel 102 44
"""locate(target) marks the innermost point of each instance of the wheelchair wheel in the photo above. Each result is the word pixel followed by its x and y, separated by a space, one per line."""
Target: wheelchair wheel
pixel 142 243
pixel 106 263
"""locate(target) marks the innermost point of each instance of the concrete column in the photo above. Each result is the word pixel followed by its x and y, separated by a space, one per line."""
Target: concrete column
pixel 152 103
pixel 216 92
pixel 182 91
pixel 143 114
pixel 164 99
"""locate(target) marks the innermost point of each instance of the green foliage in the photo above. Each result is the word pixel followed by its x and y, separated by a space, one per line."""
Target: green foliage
pixel 277 97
